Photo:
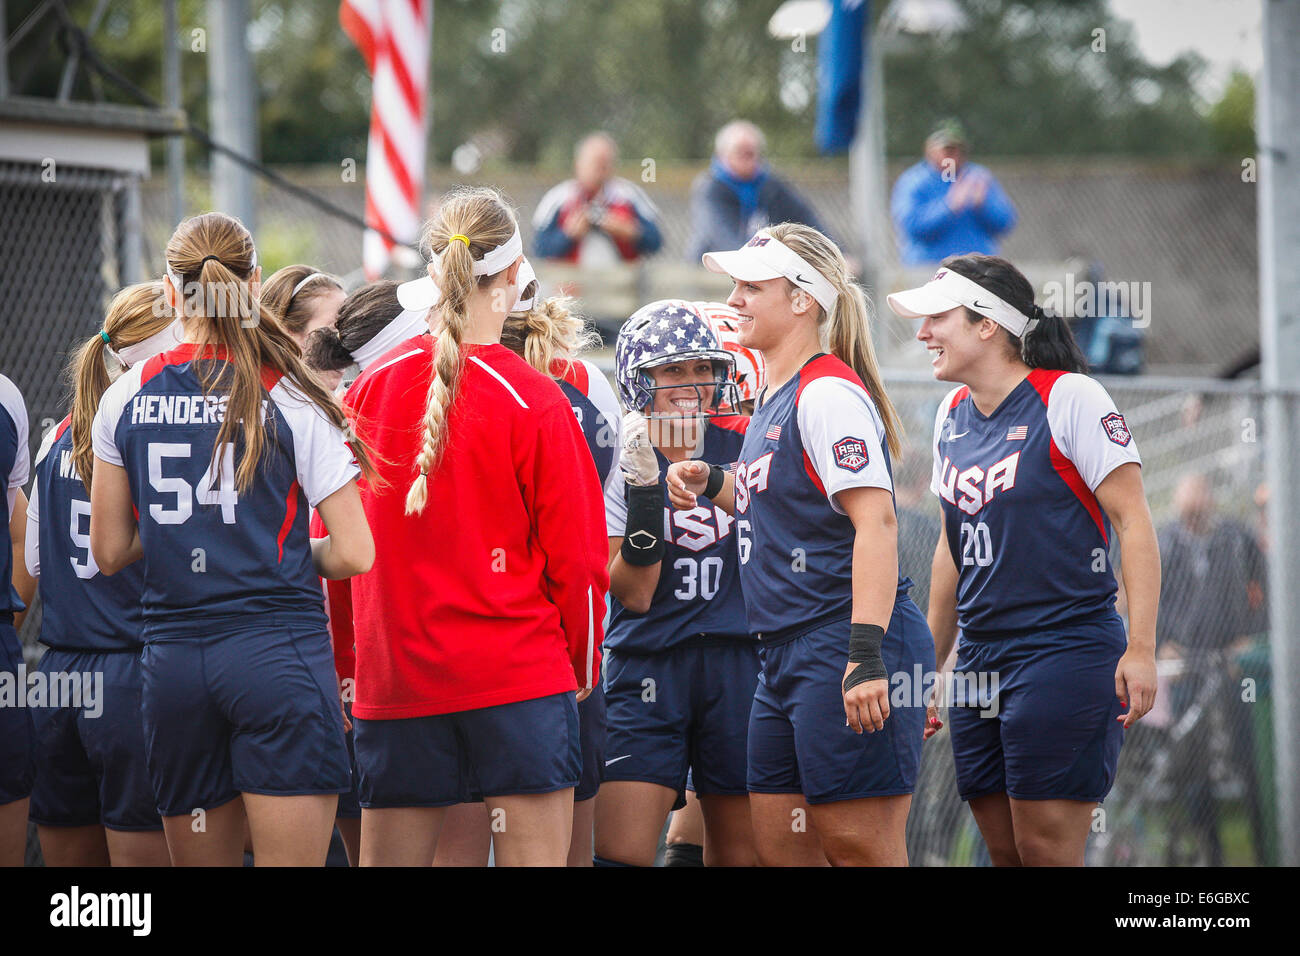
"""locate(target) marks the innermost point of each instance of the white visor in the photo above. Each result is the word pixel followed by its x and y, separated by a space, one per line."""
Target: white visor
pixel 947 290
pixel 767 257
pixel 407 325
pixel 422 294
pixel 155 344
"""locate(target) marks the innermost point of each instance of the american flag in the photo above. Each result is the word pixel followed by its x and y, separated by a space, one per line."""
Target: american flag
pixel 774 432
pixel 395 38
pixel 1019 433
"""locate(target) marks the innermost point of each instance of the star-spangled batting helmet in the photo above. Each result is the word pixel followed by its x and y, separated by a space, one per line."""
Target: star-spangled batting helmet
pixel 664 332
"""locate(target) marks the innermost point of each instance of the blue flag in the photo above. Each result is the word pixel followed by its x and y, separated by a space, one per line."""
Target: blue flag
pixel 841 50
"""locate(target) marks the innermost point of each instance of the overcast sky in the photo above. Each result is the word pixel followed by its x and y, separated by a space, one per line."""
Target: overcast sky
pixel 1225 32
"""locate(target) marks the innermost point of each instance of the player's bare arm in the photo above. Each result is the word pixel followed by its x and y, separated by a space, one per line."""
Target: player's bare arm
pixel 942 618
pixel 114 534
pixel 875 577
pixel 1122 497
pixel 23 582
pixel 349 548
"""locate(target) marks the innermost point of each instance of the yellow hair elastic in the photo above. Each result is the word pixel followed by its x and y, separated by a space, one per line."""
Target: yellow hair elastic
pixel 464 239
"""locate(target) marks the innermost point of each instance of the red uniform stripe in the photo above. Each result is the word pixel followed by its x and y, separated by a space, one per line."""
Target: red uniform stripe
pixel 290 512
pixel 1043 379
pixel 62 427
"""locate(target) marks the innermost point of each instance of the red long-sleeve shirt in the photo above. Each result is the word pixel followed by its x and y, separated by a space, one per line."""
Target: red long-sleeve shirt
pixel 495 592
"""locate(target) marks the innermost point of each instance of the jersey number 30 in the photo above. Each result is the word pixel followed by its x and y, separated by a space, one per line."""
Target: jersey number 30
pixel 205 493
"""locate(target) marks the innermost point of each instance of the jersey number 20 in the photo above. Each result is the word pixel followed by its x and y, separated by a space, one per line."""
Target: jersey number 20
pixel 205 494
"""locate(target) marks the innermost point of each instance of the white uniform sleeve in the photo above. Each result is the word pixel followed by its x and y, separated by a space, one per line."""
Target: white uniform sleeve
pixel 12 400
pixel 843 436
pixel 32 543
pixel 936 476
pixel 1088 428
pixel 324 461
pixel 615 504
pixel 602 396
pixel 111 406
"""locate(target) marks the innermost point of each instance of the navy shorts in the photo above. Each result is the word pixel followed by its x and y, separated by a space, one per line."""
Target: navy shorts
pixel 91 766
pixel 16 733
pixel 683 709
pixel 798 739
pixel 1048 731
pixel 247 710
pixel 591 730
pixel 349 807
pixel 531 746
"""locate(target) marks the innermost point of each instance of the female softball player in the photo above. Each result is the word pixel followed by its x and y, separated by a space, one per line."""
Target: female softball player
pixel 220 446
pixel 16 736
pixel 483 612
pixel 680 663
pixel 93 802
pixel 817 535
pixel 549 337
pixel 1034 467
pixel 305 299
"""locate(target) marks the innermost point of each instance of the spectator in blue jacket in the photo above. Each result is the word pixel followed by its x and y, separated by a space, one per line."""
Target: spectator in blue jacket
pixel 739 194
pixel 946 206
pixel 596 219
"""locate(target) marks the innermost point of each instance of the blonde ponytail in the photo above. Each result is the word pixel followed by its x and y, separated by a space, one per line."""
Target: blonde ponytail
pixel 136 313
pixel 482 217
pixel 848 331
pixel 548 331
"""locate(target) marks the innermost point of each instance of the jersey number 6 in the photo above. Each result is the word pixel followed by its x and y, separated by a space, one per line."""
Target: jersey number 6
pixel 205 494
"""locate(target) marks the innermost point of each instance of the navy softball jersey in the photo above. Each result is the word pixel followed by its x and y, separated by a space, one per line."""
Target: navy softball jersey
pixel 1016 487
pixel 815 436
pixel 81 608
pixel 698 591
pixel 157 423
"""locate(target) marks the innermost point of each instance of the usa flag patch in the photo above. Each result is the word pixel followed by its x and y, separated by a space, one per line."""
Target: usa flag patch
pixel 1019 433
pixel 850 454
pixel 1117 429
pixel 774 432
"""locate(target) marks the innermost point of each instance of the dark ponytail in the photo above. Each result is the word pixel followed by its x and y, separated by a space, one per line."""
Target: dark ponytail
pixel 1049 344
pixel 362 316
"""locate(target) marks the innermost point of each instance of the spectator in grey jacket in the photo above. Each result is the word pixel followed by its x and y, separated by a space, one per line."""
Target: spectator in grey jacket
pixel 739 194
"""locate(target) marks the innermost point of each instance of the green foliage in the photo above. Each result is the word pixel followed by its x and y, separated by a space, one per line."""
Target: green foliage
pixel 1232 118
pixel 525 78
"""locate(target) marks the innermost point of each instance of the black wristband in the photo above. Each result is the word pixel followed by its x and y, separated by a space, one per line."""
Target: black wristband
pixel 717 478
pixel 643 538
pixel 864 650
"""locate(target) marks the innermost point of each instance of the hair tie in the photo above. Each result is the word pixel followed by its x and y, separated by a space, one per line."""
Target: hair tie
pixel 206 258
pixel 464 239
pixel 103 334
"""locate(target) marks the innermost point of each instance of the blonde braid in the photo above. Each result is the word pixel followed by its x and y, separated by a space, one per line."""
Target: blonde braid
pixel 481 215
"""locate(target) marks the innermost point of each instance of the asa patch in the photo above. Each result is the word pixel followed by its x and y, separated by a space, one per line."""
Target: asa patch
pixel 1117 429
pixel 850 454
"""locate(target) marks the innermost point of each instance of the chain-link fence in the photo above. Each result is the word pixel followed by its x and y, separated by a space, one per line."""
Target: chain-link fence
pixel 64 251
